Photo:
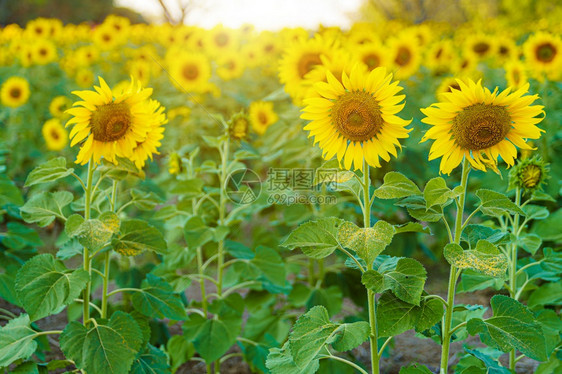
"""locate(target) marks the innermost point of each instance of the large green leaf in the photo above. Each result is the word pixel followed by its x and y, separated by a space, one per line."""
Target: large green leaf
pixel 43 285
pixel 280 361
pixel 405 278
pixel 196 232
pixel 16 340
pixel 9 192
pixel 43 208
pixel 396 316
pixel 317 239
pixel 416 207
pixel 271 265
pixel 213 339
pixel 180 350
pixel 48 172
pixel 367 242
pixel 136 236
pixel 485 258
pixel 150 361
pixel 351 335
pixel 395 186
pixel 496 204
pixel 157 300
pixel 144 200
pixel 436 192
pixel 105 346
pixel 512 326
pixel 312 331
pixel 93 233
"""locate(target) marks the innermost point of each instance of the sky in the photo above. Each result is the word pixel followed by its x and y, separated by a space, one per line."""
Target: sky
pixel 263 14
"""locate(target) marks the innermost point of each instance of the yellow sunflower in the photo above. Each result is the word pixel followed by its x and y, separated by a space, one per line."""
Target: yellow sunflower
pixel 14 92
pixel 356 120
pixel 59 105
pixel 515 73
pixel 190 71
pixel 372 55
pixel 230 66
pixel 262 116
pixel 44 52
pixel 543 53
pixel 405 55
pixel 481 125
pixel 239 126
pixel 447 85
pixel 480 45
pixel 108 125
pixel 84 77
pixel 149 146
pixel 56 137
pixel 439 56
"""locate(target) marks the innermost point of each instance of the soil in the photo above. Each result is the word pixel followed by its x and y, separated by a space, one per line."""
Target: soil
pixel 407 347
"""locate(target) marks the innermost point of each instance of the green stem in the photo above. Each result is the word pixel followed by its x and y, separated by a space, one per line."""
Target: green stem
pixel 86 255
pixel 454 274
pixel 222 213
pixel 513 270
pixel 370 294
pixel 106 258
pixel 340 359
pixel 202 280
pixel 8 313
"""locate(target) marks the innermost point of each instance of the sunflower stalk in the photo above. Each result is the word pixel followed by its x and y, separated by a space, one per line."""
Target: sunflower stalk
pixel 454 273
pixel 86 254
pixel 106 258
pixel 513 292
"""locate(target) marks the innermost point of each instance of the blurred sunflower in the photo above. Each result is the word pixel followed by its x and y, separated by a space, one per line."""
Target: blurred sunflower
pixel 506 48
pixel 190 71
pixel 515 73
pixel 262 116
pixel 108 124
pixel 447 85
pixel 14 92
pixel 140 71
pixel 239 126
pixel 543 53
pixel 356 120
pixel 230 66
pixel 55 135
pixel 149 146
pixel 220 40
pixel 84 77
pixel 372 55
pixel 59 105
pixel 405 55
pixel 481 125
pixel 43 52
pixel 439 56
pixel 105 37
pixel 341 61
pixel 479 45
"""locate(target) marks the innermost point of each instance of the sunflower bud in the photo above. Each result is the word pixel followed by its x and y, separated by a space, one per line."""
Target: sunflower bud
pixel 529 174
pixel 174 164
pixel 238 126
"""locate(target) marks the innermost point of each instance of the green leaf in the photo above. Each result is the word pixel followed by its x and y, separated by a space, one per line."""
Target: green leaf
pixel 552 261
pixel 549 229
pixel 16 340
pixel 150 361
pixel 396 186
pixel 412 227
pixel 492 364
pixel 48 172
pixel 405 278
pixel 485 259
pixel 436 192
pixel 547 294
pixel 472 281
pixel 529 242
pixel 145 200
pixel 512 326
pixel 9 192
pixel 396 316
pixel 317 239
pixel 120 170
pixel 196 233
pixel 93 234
pixel 137 235
pixel 416 207
pixel 19 236
pixel 496 204
pixel 43 285
pixel 271 265
pixel 157 300
pixel 188 188
pixel 213 339
pixel 179 350
pixel 415 369
pixel 367 242
pixel 280 361
pixel 330 297
pixel 310 333
pixel 43 208
pixel 351 335
pixel 8 288
pixel 105 347
pixel 535 212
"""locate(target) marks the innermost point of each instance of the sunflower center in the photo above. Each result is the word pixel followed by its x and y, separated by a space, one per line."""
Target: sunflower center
pixel 15 92
pixel 190 72
pixel 111 121
pixel 403 56
pixel 221 39
pixel 481 126
pixel 307 62
pixel 357 116
pixel 262 118
pixel 42 51
pixel 481 48
pixel 504 51
pixel 546 52
pixel 55 134
pixel 371 60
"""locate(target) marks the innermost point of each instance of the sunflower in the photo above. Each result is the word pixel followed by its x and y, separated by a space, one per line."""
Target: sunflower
pixel 108 124
pixel 515 73
pixel 59 105
pixel 56 137
pixel 84 77
pixel 447 85
pixel 299 59
pixel 43 52
pixel 262 116
pixel 140 71
pixel 14 92
pixel 481 125
pixel 190 71
pixel 372 55
pixel 220 40
pixel 543 53
pixel 239 126
pixel 105 37
pixel 439 56
pixel 506 49
pixel 149 146
pixel 230 66
pixel 356 120
pixel 479 45
pixel 405 55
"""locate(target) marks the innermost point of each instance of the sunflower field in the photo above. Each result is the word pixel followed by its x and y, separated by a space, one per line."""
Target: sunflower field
pixel 379 198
